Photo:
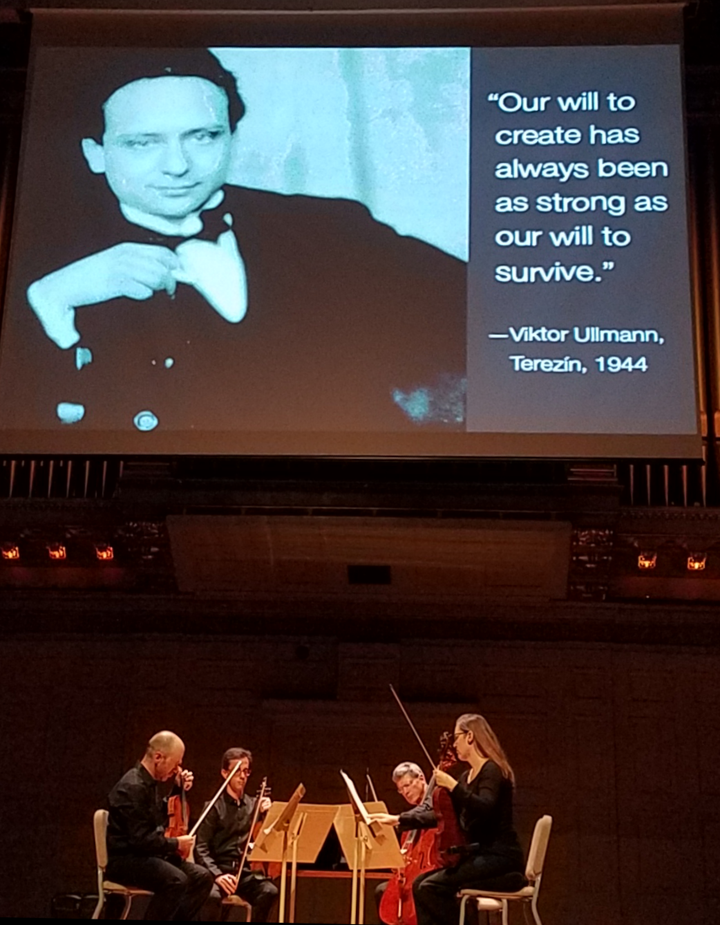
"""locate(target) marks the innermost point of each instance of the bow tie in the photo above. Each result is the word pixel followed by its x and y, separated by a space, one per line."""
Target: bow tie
pixel 214 223
pixel 211 263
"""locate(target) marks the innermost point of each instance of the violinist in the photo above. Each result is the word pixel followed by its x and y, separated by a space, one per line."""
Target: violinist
pixel 482 801
pixel 139 852
pixel 221 841
pixel 411 784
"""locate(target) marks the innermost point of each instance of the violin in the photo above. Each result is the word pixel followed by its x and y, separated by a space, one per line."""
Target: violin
pixel 254 829
pixel 270 869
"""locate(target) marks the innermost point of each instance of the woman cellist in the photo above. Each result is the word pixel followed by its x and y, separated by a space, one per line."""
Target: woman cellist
pixel 482 800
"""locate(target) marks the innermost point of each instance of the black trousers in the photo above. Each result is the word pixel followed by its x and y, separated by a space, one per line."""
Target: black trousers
pixel 179 888
pixel 254 888
pixel 435 893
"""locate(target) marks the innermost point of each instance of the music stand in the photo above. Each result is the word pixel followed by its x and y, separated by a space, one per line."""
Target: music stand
pixel 303 837
pixel 278 836
pixel 372 845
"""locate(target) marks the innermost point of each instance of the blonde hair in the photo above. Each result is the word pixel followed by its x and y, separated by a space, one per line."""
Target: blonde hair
pixel 486 742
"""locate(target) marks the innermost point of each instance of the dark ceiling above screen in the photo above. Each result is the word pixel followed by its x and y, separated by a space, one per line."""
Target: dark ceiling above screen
pixel 351 234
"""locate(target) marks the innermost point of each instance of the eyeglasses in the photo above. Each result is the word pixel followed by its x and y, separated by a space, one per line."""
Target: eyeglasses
pixel 456 735
pixel 403 788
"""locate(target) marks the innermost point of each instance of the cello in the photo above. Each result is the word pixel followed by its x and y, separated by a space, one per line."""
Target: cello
pixel 397 906
pixel 420 849
pixel 451 838
pixel 428 849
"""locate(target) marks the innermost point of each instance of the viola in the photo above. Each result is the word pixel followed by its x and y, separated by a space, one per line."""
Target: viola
pixel 178 815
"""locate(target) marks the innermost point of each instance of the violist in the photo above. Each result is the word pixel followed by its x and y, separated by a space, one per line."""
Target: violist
pixel 482 799
pixel 139 852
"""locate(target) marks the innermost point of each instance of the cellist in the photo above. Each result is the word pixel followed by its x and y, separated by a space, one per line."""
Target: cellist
pixel 411 784
pixel 482 799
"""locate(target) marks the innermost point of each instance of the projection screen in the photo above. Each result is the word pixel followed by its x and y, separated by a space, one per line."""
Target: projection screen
pixel 351 235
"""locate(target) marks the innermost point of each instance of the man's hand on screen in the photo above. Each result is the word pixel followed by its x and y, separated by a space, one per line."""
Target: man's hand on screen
pixel 132 271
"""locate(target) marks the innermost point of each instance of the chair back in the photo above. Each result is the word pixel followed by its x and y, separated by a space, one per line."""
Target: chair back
pixel 538 848
pixel 100 824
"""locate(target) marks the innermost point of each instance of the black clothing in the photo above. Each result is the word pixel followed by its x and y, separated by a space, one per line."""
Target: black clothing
pixel 435 893
pixel 421 816
pixel 220 843
pixel 138 818
pixel 347 321
pixel 260 892
pixel 484 810
pixel 223 834
pixel 140 855
pixel 179 888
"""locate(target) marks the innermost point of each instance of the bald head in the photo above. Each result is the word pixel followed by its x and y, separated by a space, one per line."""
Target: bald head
pixel 163 755
pixel 165 742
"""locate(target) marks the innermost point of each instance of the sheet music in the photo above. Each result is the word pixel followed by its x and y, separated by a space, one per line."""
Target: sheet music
pixel 355 799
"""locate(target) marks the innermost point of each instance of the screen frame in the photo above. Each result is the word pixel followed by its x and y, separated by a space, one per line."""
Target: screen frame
pixel 596 26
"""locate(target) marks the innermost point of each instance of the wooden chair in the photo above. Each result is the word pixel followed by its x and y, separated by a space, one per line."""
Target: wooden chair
pixel 235 900
pixel 489 901
pixel 106 887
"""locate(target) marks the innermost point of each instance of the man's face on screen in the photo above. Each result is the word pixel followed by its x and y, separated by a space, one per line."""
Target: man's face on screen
pixel 166 147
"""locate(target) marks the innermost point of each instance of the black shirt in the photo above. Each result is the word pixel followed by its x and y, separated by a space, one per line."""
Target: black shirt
pixel 484 810
pixel 345 316
pixel 222 836
pixel 421 816
pixel 138 818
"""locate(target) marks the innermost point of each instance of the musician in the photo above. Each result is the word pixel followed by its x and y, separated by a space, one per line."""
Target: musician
pixel 411 784
pixel 482 800
pixel 221 841
pixel 139 853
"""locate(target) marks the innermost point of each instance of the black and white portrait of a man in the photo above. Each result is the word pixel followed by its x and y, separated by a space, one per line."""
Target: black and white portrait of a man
pixel 151 294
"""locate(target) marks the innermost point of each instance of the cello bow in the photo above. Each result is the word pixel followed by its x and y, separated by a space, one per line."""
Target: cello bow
pixel 433 764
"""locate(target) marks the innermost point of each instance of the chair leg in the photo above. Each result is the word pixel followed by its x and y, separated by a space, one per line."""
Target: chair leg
pixel 463 904
pixel 126 907
pixel 505 912
pixel 536 914
pixel 531 915
pixel 100 904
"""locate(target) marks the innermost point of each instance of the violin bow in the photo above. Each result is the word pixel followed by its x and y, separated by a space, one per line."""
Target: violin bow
pixel 217 796
pixel 410 723
pixel 256 815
